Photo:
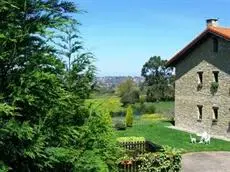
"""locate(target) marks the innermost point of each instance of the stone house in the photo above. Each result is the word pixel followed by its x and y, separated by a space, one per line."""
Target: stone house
pixel 202 86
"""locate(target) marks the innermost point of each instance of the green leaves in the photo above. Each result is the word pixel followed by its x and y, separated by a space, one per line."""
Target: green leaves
pixel 4 167
pixel 6 110
pixel 158 79
pixel 167 160
pixel 44 125
pixel 129 116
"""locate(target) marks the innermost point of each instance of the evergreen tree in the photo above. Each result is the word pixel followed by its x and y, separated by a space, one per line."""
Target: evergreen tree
pixel 79 66
pixel 129 116
pixel 44 126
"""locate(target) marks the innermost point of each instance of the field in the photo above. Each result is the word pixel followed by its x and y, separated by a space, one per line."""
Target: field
pixel 112 103
pixel 107 103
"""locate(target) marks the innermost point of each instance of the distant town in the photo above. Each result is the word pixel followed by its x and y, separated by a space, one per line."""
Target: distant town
pixel 113 81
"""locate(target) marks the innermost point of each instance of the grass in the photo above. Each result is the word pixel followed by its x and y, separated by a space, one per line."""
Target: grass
pixel 159 133
pixel 113 104
pixel 164 107
pixel 156 130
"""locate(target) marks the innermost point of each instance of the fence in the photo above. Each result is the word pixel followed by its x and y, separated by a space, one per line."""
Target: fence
pixel 138 147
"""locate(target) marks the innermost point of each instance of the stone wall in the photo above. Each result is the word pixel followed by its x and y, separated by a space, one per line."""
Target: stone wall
pixel 187 96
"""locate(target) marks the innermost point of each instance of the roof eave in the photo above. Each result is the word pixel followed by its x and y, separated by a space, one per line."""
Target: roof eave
pixel 172 62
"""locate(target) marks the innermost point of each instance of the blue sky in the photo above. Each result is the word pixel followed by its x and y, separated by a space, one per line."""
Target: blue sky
pixel 123 34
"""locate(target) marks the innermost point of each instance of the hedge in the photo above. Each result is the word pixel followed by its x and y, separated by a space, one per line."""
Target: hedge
pixel 169 160
pixel 166 160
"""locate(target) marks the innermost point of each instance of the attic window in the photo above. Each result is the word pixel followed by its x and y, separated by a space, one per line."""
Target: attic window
pixel 215 45
pixel 215 74
pixel 200 77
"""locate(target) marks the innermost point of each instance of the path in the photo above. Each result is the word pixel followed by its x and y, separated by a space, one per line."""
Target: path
pixel 206 161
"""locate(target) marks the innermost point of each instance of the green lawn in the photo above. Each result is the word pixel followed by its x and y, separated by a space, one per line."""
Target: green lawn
pixel 164 107
pixel 158 133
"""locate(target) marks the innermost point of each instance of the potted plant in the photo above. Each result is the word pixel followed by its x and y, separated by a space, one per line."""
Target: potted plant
pixel 214 87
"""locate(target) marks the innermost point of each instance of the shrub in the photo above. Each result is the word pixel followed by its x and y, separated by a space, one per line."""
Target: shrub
pixel 120 125
pixel 117 113
pixel 149 108
pixel 130 97
pixel 214 87
pixel 142 99
pixel 167 160
pixel 141 108
pixel 129 117
pixel 130 139
pixel 138 108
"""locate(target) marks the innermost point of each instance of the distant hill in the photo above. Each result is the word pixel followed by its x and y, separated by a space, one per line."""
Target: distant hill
pixel 113 81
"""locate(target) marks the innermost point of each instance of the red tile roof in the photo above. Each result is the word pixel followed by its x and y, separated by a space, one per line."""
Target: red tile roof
pixel 218 31
pixel 224 32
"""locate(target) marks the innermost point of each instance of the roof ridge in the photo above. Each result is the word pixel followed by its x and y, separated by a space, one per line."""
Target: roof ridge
pixel 220 27
pixel 219 31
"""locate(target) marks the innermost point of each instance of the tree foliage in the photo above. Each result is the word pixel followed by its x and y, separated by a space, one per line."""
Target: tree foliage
pixel 125 87
pixel 44 125
pixel 158 79
pixel 128 91
pixel 79 65
pixel 130 97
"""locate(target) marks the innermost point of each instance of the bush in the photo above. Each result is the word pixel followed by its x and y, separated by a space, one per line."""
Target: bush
pixel 167 160
pixel 142 99
pixel 149 108
pixel 130 97
pixel 129 117
pixel 117 113
pixel 138 108
pixel 214 87
pixel 130 139
pixel 120 125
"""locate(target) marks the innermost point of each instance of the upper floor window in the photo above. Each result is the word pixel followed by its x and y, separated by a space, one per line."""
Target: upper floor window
pixel 215 45
pixel 200 77
pixel 216 75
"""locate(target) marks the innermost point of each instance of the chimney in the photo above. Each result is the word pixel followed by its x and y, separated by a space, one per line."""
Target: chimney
pixel 212 22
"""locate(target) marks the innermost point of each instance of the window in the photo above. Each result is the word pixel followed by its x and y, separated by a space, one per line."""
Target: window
pixel 200 77
pixel 215 113
pixel 215 74
pixel 199 112
pixel 215 45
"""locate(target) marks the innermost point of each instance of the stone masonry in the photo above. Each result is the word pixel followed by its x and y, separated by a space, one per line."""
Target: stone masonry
pixel 188 98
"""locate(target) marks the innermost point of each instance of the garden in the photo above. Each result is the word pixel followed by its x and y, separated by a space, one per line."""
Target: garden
pixel 154 125
pixel 139 124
